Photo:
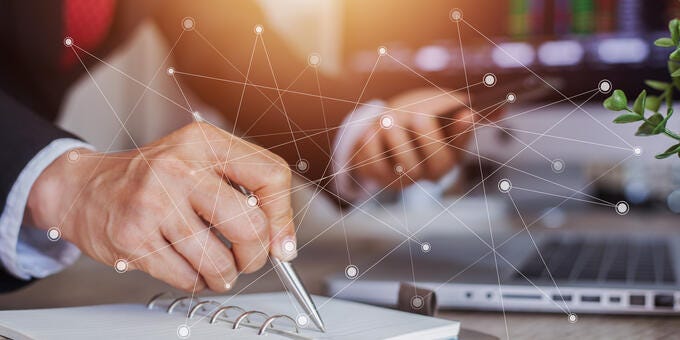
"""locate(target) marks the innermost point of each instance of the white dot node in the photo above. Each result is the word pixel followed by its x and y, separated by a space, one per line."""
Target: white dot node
pixel 572 318
pixel 456 14
pixel 171 71
pixel 53 234
pixel 489 79
pixel 73 156
pixel 504 185
pixel 417 302
pixel 399 169
pixel 188 23
pixel 302 165
pixel 302 320
pixel 637 151
pixel 351 272
pixel 604 86
pixel 426 247
pixel 252 201
pixel 121 266
pixel 68 41
pixel 557 166
pixel 227 286
pixel 314 60
pixel 197 116
pixel 289 246
pixel 511 97
pixel 622 208
pixel 386 122
pixel 183 332
pixel 382 50
pixel 258 29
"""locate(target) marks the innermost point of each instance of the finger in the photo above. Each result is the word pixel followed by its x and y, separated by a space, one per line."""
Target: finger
pixel 371 161
pixel 165 264
pixel 401 148
pixel 242 223
pixel 264 173
pixel 460 130
pixel 438 157
pixel 207 254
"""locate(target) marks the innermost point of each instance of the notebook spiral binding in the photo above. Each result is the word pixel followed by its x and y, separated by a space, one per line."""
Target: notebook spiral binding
pixel 222 310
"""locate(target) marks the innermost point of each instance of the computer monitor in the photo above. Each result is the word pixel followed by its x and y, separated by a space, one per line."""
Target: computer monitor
pixel 578 41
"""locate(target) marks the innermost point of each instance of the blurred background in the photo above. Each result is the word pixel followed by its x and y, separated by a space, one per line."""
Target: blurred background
pixel 568 45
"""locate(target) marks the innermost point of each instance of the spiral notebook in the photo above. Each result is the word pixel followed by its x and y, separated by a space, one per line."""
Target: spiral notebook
pixel 249 316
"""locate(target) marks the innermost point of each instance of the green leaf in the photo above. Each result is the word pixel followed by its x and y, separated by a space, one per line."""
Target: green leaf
pixel 647 128
pixel 617 101
pixel 673 29
pixel 628 118
pixel 669 152
pixel 676 73
pixel 675 55
pixel 653 103
pixel 657 85
pixel 664 42
pixel 661 127
pixel 639 105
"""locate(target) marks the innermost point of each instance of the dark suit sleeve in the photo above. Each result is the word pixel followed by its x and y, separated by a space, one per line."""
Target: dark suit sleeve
pixel 221 46
pixel 24 135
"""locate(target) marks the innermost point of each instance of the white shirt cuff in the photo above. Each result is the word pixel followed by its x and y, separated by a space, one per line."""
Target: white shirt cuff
pixel 351 130
pixel 25 251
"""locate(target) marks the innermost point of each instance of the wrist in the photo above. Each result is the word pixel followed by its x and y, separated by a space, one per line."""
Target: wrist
pixel 53 192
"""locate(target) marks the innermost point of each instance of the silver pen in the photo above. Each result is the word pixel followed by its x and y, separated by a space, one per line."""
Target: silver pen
pixel 293 284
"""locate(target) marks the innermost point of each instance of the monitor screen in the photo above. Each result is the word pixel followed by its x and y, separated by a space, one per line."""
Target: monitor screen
pixel 578 41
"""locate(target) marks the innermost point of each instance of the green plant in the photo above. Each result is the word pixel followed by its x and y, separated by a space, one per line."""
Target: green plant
pixel 655 123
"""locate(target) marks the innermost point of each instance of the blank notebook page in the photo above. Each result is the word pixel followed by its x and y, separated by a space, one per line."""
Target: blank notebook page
pixel 343 320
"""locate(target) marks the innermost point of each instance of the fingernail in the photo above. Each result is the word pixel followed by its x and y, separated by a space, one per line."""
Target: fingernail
pixel 289 248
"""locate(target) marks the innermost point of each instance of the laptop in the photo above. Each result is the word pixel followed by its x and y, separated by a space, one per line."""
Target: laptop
pixel 572 273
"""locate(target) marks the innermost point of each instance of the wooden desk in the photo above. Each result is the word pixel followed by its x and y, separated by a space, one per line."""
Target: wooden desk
pixel 92 283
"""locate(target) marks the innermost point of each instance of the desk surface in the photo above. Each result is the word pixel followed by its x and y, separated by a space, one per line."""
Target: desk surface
pixel 91 283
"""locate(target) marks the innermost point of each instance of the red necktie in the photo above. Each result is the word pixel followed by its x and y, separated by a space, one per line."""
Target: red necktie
pixel 87 22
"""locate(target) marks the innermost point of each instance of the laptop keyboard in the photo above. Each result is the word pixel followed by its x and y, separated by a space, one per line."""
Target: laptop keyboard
pixel 601 260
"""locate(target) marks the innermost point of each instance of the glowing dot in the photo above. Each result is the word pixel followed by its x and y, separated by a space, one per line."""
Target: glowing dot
pixel 456 14
pixel 511 97
pixel 302 165
pixel 399 169
pixel 121 266
pixel 171 71
pixel 426 247
pixel 183 331
pixel 637 151
pixel 314 59
pixel 252 201
pixel 417 302
pixel 382 50
pixel 489 79
pixel 188 23
pixel 289 246
pixel 386 122
pixel 557 165
pixel 53 234
pixel 604 86
pixel 351 272
pixel 73 156
pixel 504 185
pixel 258 29
pixel 302 320
pixel 572 318
pixel 622 208
pixel 197 116
pixel 68 41
pixel 227 286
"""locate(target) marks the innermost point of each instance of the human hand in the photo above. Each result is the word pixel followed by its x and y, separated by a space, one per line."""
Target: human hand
pixel 161 207
pixel 428 129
